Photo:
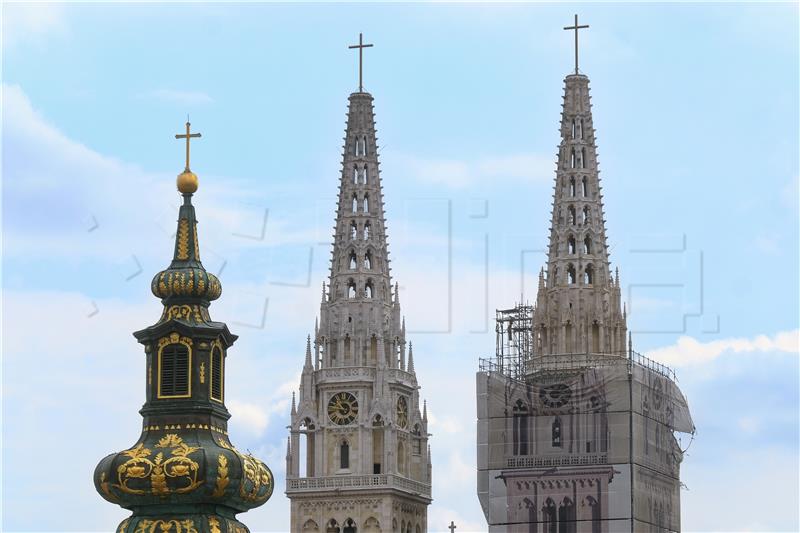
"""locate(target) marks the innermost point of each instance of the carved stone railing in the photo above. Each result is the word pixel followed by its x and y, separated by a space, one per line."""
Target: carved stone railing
pixel 519 369
pixel 401 375
pixel 369 482
pixel 362 373
pixel 557 460
pixel 345 373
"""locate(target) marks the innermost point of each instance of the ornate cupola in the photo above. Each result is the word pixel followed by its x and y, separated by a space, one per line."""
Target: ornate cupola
pixel 183 475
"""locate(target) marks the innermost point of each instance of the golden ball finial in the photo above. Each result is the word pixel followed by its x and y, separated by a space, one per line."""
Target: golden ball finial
pixel 187 182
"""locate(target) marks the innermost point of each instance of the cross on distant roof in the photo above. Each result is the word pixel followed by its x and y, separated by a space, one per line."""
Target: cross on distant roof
pixel 188 136
pixel 576 28
pixel 452 527
pixel 360 47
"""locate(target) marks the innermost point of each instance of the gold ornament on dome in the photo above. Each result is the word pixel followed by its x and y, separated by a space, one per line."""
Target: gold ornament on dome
pixel 183 239
pixel 175 465
pixel 166 526
pixel 222 477
pixel 255 472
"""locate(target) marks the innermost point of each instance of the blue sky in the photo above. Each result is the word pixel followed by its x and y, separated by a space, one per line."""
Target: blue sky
pixel 696 110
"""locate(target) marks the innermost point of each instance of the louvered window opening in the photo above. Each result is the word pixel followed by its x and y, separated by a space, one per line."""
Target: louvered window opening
pixel 216 374
pixel 174 370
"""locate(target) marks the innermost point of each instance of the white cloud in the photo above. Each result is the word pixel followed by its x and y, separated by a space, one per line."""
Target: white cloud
pixel 249 416
pixel 189 98
pixel 31 21
pixel 689 351
pixel 456 174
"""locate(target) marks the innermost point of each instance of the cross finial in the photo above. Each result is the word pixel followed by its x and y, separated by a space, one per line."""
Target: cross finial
pixel 188 135
pixel 576 28
pixel 452 527
pixel 360 47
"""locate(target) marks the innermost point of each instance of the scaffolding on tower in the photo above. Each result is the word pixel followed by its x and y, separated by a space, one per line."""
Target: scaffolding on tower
pixel 514 339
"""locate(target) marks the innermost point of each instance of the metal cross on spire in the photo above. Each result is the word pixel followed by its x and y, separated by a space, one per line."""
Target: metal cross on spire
pixel 452 527
pixel 188 136
pixel 576 28
pixel 360 47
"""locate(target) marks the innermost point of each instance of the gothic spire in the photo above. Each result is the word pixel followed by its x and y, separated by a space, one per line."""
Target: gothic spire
pixel 360 303
pixel 410 358
pixel 307 364
pixel 579 308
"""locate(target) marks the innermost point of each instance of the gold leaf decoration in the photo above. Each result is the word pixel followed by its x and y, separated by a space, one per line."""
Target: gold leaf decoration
pixel 203 372
pixel 183 239
pixel 166 526
pixel 213 524
pixel 177 466
pixel 196 244
pixel 222 477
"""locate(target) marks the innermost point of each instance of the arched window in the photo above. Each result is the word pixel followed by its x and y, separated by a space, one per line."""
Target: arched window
pixel 310 525
pixel 586 214
pixel 554 281
pixel 366 231
pixel 349 526
pixel 572 186
pixel 332 527
pixel 588 275
pixel 355 175
pixel 587 245
pixel 368 261
pixel 566 517
pixel 531 519
pixel 351 289
pixel 571 278
pixel 366 175
pixel 216 373
pixel 520 429
pixel 366 203
pixel 401 458
pixel 344 455
pixel 355 204
pixel 585 187
pixel 572 159
pixel 353 260
pixel 174 361
pixel 574 124
pixel 368 290
pixel 580 128
pixel 571 214
pixel 595 508
pixel 417 442
pixel 571 245
pixel 353 230
pixel 556 433
pixel 583 157
pixel 549 516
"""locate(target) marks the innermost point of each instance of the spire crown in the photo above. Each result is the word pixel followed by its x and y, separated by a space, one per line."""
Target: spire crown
pixel 186 280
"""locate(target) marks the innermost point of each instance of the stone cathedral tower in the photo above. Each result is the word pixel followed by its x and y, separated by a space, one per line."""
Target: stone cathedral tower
pixel 575 429
pixel 358 456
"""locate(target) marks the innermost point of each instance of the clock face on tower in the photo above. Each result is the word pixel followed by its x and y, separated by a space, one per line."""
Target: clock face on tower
pixel 402 412
pixel 342 408
pixel 556 395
